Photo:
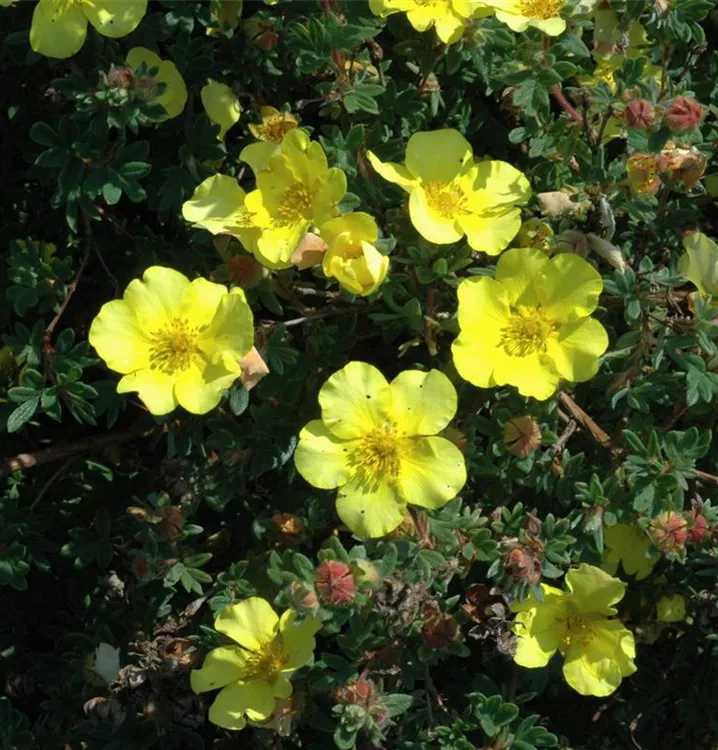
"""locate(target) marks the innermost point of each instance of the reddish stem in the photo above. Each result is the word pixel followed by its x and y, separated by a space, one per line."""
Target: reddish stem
pixel 565 104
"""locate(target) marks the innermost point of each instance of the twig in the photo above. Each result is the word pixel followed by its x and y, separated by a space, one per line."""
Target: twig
pixel 601 437
pixel 67 450
pixel 317 316
pixel 424 539
pixel 565 104
pixel 568 430
pixel 49 484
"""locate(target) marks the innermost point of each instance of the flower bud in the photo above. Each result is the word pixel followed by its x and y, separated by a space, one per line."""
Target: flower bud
pixel 120 76
pixel 261 33
pixel 683 115
pixel 523 562
pixel 640 114
pixel 439 629
pixel 335 583
pixel 303 598
pixel 522 436
pixel 365 572
pixel 671 608
pixel 288 524
pixel 699 528
pixel 356 692
pixel 669 531
pixel 245 271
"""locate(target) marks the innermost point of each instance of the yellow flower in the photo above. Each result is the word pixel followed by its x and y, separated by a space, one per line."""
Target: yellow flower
pixel 448 17
pixel 643 176
pixel 699 263
pixel 629 545
pixel 377 442
pixel 352 258
pixel 59 28
pixel 175 341
pixel 254 674
pixel 530 325
pixel 221 105
pixel 518 15
pixel 671 608
pixel 226 14
pixel 218 205
pixel 270 134
pixel 298 190
pixel 451 195
pixel 598 651
pixel 174 97
pixel 535 233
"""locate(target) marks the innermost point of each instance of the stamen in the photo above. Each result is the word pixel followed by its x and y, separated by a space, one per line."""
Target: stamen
pixel 541 9
pixel 173 347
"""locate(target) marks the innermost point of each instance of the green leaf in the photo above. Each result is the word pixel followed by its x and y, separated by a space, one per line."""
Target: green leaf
pixel 24 413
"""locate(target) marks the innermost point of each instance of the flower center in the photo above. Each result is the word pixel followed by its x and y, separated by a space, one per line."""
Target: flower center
pixel 274 128
pixel 379 453
pixel 173 346
pixel 270 661
pixel 446 198
pixel 526 335
pixel 575 627
pixel 541 9
pixel 295 206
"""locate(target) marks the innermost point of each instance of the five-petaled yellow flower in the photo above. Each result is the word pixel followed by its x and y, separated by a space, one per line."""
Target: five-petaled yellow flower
pixel 628 544
pixel 59 27
pixel 518 15
pixel 254 674
pixel 270 134
pixel 157 71
pixel 221 105
pixel 530 326
pixel 351 257
pixel 451 195
pixel 377 442
pixel 296 191
pixel 175 341
pixel 598 651
pixel 699 263
pixel 448 17
pixel 218 205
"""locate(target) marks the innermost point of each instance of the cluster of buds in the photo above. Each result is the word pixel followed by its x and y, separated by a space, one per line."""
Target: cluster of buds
pixel 682 115
pixel 364 694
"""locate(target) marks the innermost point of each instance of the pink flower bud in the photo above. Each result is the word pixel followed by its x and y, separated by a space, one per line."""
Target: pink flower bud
pixel 335 582
pixel 640 114
pixel 683 115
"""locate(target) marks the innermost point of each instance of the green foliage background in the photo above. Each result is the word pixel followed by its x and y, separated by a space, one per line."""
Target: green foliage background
pixel 89 551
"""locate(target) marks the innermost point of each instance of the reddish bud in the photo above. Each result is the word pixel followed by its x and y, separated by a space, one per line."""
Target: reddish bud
pixel 287 524
pixel 669 531
pixel 335 582
pixel 381 717
pixel 523 562
pixel 121 76
pixel 522 436
pixel 640 114
pixel 303 598
pixel 244 271
pixel 356 692
pixel 683 115
pixel 699 528
pixel 439 629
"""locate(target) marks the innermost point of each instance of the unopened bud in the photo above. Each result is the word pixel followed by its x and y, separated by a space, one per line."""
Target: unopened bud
pixel 640 114
pixel 699 528
pixel 303 598
pixel 335 583
pixel 669 531
pixel 120 76
pixel 245 271
pixel 683 115
pixel 365 572
pixel 522 436
pixel 261 33
pixel 671 608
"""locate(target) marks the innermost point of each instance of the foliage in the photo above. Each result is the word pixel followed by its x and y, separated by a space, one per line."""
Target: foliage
pixel 127 528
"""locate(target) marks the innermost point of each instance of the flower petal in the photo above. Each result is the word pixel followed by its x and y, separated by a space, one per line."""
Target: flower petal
pixel 518 271
pixel 221 666
pixel 699 263
pixel 230 333
pixel 629 545
pixel 533 375
pixel 157 297
pixel 221 105
pixel 433 226
pixel 370 510
pixel 577 348
pixel 497 184
pixel 252 623
pixel 257 155
pixel 593 590
pixel 298 639
pixel 253 699
pixel 174 98
pixel 118 338
pixel 58 29
pixel 321 457
pixel 491 231
pixel 115 18
pixel 217 205
pixel 155 389
pixel 199 388
pixel 437 154
pixel 568 287
pixel 354 400
pixel 396 173
pixel 423 403
pixel 432 472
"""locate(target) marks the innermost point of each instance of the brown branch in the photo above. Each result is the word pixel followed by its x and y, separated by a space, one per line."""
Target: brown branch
pixel 568 430
pixel 601 437
pixel 67 450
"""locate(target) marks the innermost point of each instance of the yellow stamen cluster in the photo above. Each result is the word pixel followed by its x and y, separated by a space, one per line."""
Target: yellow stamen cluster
pixel 526 335
pixel 379 453
pixel 575 628
pixel 173 346
pixel 541 9
pixel 446 198
pixel 295 206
